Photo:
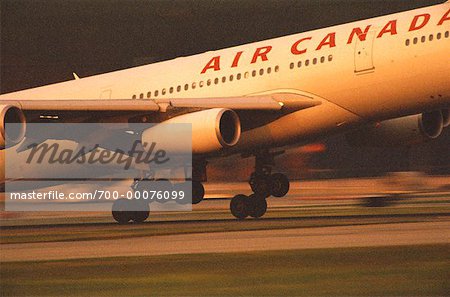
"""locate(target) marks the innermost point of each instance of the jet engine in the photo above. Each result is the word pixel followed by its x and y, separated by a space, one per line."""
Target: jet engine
pixel 446 117
pixel 15 133
pixel 212 130
pixel 407 130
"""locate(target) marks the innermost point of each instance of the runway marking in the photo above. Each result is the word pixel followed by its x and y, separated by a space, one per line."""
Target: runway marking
pixel 235 241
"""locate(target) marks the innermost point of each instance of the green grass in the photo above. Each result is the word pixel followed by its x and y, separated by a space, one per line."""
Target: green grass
pixel 403 270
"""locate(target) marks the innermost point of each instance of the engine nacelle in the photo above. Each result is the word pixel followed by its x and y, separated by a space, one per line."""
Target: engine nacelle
pixel 212 130
pixel 446 117
pixel 13 135
pixel 407 130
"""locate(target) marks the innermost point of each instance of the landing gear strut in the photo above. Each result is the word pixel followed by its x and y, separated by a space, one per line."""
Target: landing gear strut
pixel 264 184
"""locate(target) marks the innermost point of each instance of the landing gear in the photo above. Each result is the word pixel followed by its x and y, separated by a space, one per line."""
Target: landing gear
pixel 279 185
pixel 258 206
pixel 239 206
pixel 242 206
pixel 198 192
pixel 126 210
pixel 264 184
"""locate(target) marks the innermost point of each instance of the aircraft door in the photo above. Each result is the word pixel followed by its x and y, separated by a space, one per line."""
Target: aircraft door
pixel 364 54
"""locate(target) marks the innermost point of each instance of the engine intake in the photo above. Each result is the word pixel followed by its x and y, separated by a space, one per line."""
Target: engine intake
pixel 407 130
pixel 212 130
pixel 15 133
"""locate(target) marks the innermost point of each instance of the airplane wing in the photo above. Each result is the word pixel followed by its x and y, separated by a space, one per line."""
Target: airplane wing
pixel 272 102
pixel 254 111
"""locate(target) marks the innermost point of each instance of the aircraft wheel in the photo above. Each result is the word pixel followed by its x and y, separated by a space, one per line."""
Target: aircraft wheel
pixel 121 211
pixel 258 206
pixel 239 206
pixel 260 185
pixel 139 216
pixel 279 185
pixel 198 192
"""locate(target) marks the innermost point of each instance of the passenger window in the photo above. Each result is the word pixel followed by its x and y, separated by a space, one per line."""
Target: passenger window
pixel 216 80
pixel 438 36
pixel 171 90
pixel 291 66
pixel 208 82
pixel 307 62
pixel 446 34
pixel 415 40
pixel 322 59
pixel 156 93
pixel 261 71
pixel 141 96
pixel 407 42
pixel 277 68
pixel 315 61
pixel 299 64
pixel 163 92
pixel 238 76
pixel 224 79
pixel 423 39
pixel 430 37
pixel 231 77
pixel 134 97
pixel 178 88
pixel 254 73
pixel 201 84
pixel 194 85
pixel 149 94
pixel 330 58
pixel 269 70
pixel 246 74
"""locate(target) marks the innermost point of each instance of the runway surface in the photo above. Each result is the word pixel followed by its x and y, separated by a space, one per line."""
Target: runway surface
pixel 332 218
pixel 248 241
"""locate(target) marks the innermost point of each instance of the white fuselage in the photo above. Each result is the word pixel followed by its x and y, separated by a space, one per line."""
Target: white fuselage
pixel 391 66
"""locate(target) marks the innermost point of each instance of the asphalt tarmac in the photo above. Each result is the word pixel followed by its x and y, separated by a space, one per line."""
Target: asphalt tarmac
pixel 296 222
pixel 242 241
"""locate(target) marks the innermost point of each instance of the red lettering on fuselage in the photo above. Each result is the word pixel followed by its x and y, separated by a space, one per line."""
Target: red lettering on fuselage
pixel 391 27
pixel 261 52
pixel 329 40
pixel 446 17
pixel 358 32
pixel 214 64
pixel 236 59
pixel 414 26
pixel 294 48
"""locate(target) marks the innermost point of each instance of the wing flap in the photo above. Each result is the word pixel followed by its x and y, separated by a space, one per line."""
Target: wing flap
pixel 89 105
pixel 273 102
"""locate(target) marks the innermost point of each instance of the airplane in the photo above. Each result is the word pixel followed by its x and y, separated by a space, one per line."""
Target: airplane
pixel 382 81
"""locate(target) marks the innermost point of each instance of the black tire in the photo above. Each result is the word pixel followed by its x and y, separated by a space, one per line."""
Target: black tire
pixel 279 185
pixel 260 184
pixel 258 206
pixel 239 206
pixel 143 212
pixel 198 192
pixel 121 211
